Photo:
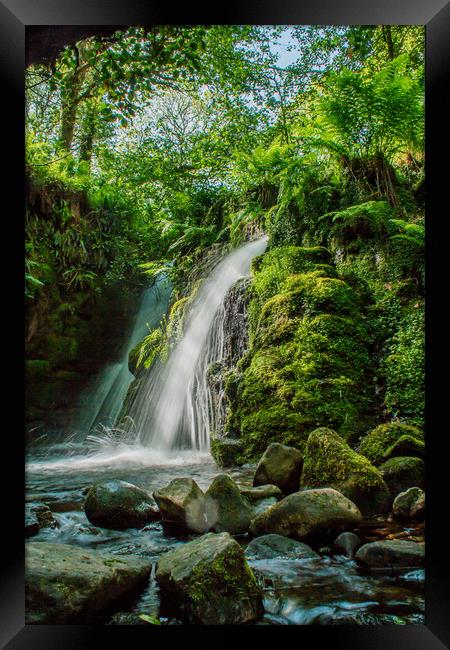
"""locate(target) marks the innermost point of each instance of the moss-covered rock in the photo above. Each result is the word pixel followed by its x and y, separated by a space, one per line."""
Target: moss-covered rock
pixel 226 451
pixel 208 582
pixel 228 510
pixel 311 513
pixel 378 441
pixel 330 462
pixel 309 361
pixel 406 446
pixel 402 473
pixel 280 465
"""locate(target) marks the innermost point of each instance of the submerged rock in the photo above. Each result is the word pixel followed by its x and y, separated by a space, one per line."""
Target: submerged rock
pixel 330 462
pixel 281 466
pixel 209 582
pixel 69 585
pixel 391 554
pixel 269 547
pixel 119 505
pixel 228 510
pixel 310 513
pixel 38 515
pixel 409 504
pixel 402 473
pixel 346 544
pixel 182 502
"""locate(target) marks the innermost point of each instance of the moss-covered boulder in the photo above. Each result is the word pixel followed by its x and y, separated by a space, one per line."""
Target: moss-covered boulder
pixel 311 513
pixel 270 547
pixel 118 505
pixel 70 585
pixel 402 473
pixel 381 439
pixel 330 462
pixel 387 554
pixel 281 466
pixel 406 446
pixel 208 582
pixel 409 504
pixel 182 503
pixel 226 451
pixel 228 510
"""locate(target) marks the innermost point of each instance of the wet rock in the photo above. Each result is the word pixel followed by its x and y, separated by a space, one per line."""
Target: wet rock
pixel 330 462
pixel 402 473
pixel 37 516
pixel 409 504
pixel 118 505
pixel 280 466
pixel 69 585
pixel 228 510
pixel 209 582
pixel 406 446
pixel 182 502
pixel 346 544
pixel 269 547
pixel 394 554
pixel 318 512
pixel 261 492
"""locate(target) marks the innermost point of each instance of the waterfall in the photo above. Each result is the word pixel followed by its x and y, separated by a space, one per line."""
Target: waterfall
pixel 101 402
pixel 173 407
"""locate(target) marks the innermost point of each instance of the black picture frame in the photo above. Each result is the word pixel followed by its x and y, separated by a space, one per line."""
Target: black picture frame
pixel 15 17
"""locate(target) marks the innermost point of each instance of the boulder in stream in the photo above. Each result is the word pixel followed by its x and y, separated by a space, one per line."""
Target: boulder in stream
pixel 70 585
pixel 346 544
pixel 330 462
pixel 228 510
pixel 409 504
pixel 280 465
pixel 183 503
pixel 38 515
pixel 311 513
pixel 209 582
pixel 391 554
pixel 402 473
pixel 118 505
pixel 270 547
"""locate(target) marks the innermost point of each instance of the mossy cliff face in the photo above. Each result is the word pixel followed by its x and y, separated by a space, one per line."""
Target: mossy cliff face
pixel 309 358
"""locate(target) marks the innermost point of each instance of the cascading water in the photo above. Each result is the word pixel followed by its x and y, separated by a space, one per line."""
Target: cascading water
pixel 173 409
pixel 101 401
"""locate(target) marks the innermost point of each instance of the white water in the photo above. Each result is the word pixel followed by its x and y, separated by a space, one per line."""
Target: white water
pixel 172 409
pixel 101 401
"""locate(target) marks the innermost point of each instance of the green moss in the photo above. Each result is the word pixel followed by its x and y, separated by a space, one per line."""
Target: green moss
pixel 354 225
pixel 330 462
pixel 36 368
pixel 402 473
pixel 377 442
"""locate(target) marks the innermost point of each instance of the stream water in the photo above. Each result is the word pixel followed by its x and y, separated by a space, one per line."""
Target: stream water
pixel 331 590
pixel 173 419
